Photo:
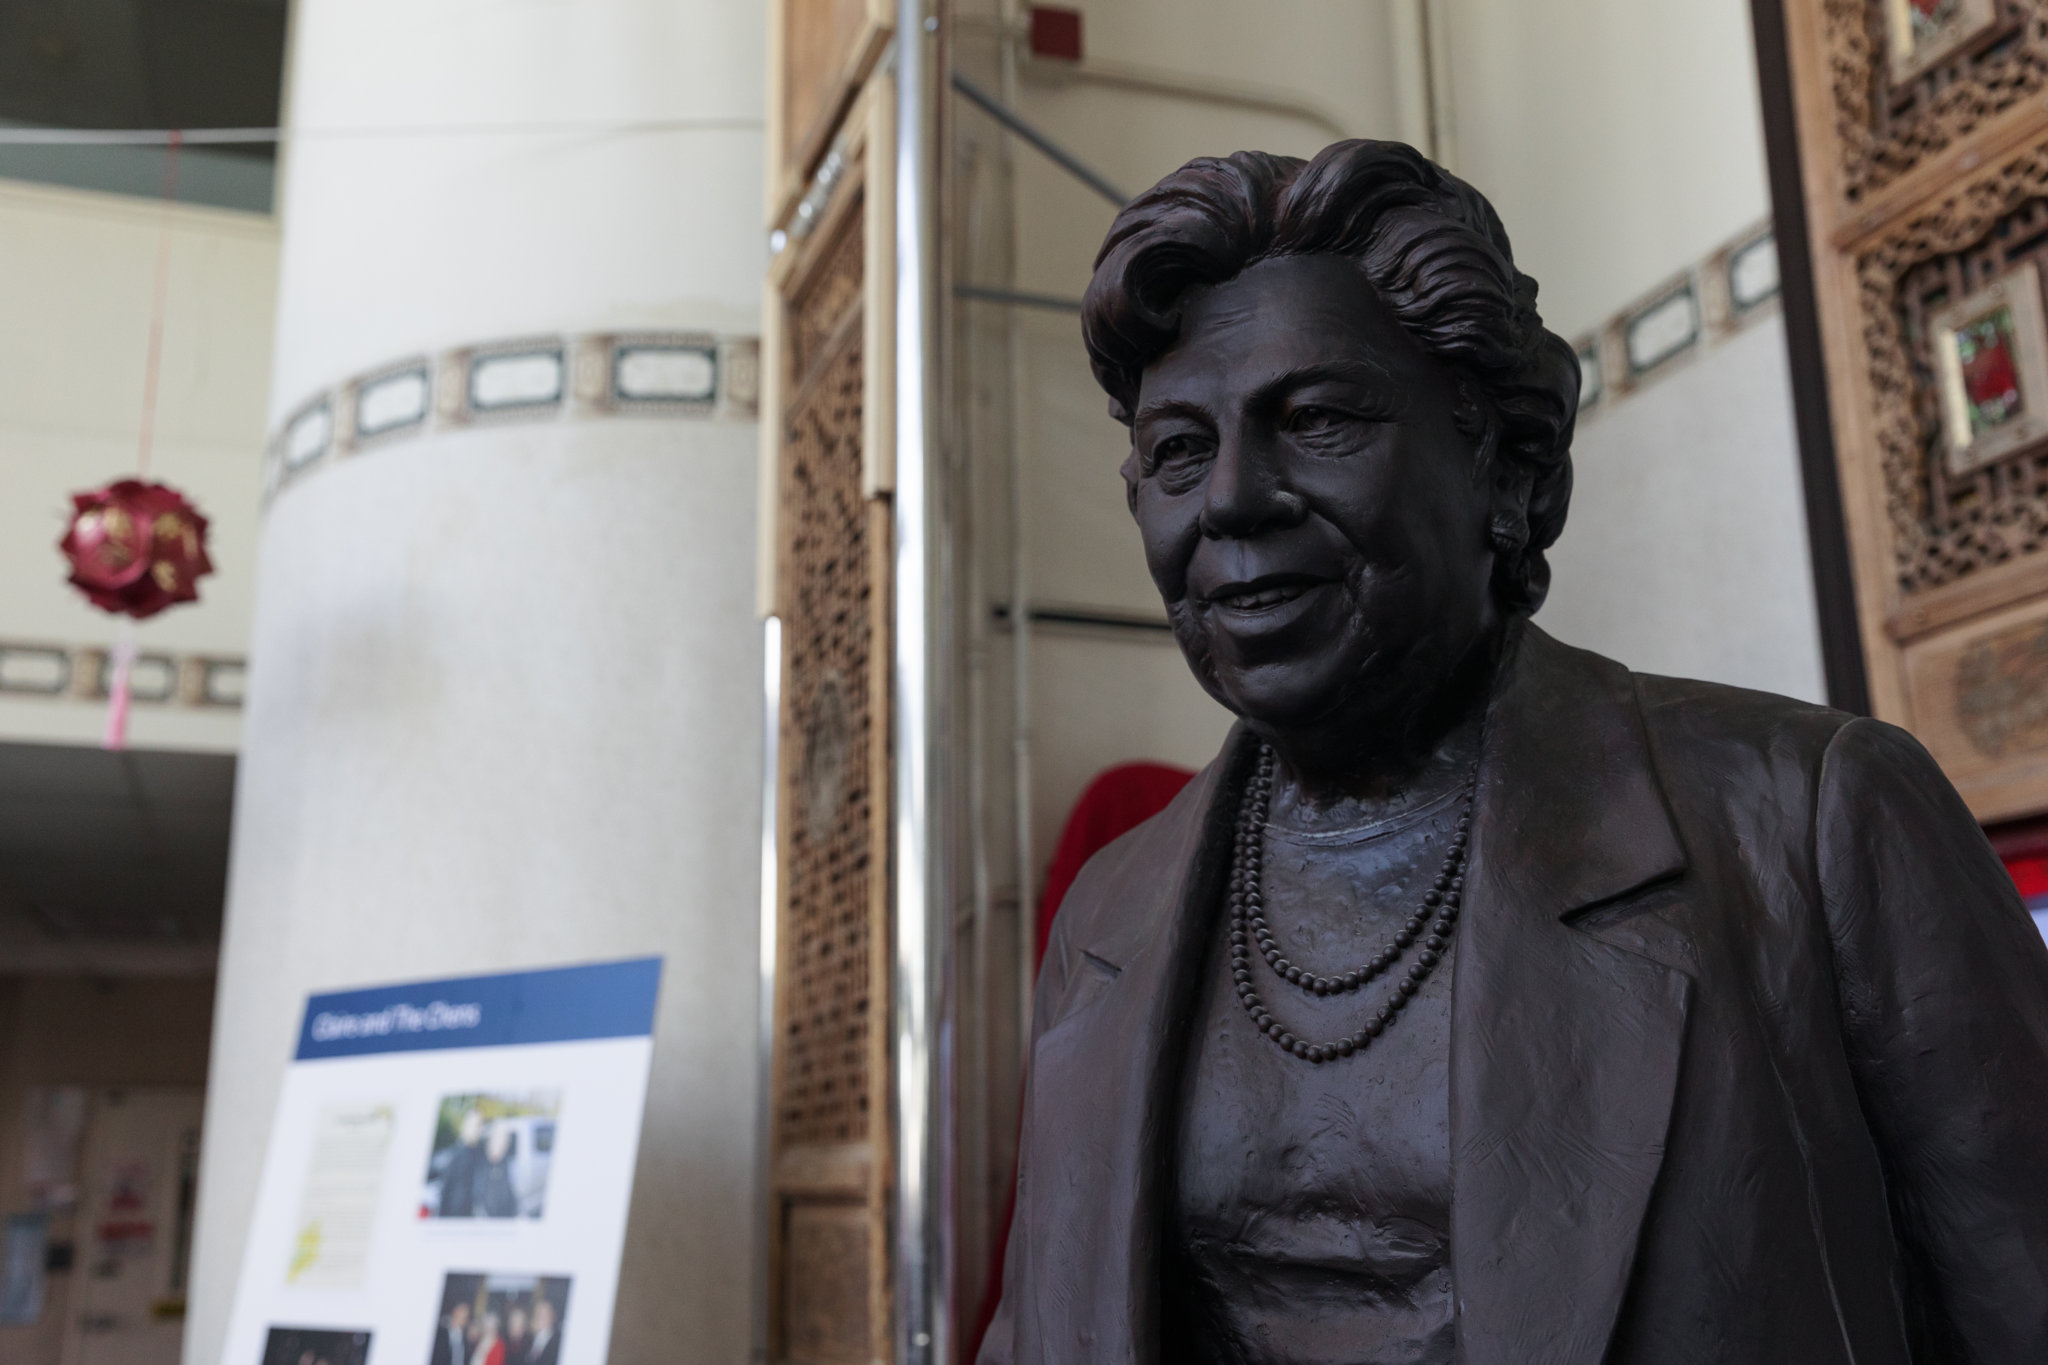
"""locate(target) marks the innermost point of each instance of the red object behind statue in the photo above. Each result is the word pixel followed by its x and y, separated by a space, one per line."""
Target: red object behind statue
pixel 1118 800
pixel 136 547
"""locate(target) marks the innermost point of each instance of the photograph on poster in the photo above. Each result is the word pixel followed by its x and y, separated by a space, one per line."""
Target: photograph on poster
pixel 491 1155
pixel 500 1319
pixel 315 1346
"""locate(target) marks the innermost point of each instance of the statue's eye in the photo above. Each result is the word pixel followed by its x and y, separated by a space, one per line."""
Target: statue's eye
pixel 1313 420
pixel 1177 448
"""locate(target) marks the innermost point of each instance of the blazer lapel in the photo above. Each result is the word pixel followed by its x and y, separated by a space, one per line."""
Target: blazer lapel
pixel 1103 1079
pixel 1566 1045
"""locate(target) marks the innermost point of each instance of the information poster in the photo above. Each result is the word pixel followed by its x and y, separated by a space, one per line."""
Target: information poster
pixel 449 1173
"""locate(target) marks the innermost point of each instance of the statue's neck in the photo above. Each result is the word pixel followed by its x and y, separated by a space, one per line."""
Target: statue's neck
pixel 1371 767
pixel 1312 799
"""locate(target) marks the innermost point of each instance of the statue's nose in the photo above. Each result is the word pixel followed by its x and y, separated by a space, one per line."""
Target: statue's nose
pixel 1246 494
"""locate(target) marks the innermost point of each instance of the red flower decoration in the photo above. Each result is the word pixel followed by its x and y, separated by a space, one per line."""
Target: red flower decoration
pixel 135 547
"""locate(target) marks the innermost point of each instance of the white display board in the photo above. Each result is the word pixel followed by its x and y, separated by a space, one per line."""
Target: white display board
pixel 449 1173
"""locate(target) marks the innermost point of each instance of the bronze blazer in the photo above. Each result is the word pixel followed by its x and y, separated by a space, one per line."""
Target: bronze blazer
pixel 1749 1054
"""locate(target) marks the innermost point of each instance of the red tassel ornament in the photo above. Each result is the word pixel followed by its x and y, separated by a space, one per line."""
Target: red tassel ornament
pixel 136 547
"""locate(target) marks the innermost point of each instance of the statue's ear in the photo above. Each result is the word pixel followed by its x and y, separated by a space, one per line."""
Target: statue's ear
pixel 1508 503
pixel 1119 411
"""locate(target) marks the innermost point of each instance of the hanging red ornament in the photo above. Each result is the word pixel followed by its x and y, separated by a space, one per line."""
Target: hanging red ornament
pixel 136 547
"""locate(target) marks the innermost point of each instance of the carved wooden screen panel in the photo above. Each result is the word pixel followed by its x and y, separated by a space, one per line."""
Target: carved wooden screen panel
pixel 825 50
pixel 1923 139
pixel 830 1082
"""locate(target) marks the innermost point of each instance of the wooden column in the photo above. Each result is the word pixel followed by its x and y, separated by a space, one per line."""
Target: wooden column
pixel 828 352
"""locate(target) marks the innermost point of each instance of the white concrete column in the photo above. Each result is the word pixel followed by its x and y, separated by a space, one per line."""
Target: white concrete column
pixel 504 705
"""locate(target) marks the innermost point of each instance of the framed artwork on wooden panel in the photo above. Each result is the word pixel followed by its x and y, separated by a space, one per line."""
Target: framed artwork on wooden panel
pixel 1923 32
pixel 1991 357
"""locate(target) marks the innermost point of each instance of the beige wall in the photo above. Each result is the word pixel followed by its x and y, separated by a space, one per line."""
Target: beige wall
pixel 1338 56
pixel 1686 553
pixel 59 1030
pixel 1619 139
pixel 77 280
pixel 1622 143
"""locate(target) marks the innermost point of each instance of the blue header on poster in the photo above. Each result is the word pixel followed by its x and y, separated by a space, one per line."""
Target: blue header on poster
pixel 561 1005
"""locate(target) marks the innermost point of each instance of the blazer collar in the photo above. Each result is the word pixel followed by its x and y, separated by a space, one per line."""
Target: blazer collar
pixel 1567 788
pixel 1569 1016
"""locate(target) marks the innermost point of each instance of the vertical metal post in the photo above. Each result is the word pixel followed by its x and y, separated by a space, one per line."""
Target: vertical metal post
pixel 921 712
pixel 1020 616
pixel 771 766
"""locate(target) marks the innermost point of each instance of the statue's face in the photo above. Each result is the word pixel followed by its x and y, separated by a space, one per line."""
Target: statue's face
pixel 1311 512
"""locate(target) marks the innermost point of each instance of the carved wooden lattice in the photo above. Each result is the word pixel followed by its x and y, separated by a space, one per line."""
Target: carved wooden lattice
pixel 1943 528
pixel 828 1249
pixel 828 721
pixel 1924 189
pixel 1884 129
pixel 818 314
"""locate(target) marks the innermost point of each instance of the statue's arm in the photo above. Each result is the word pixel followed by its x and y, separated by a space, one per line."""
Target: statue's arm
pixel 1942 981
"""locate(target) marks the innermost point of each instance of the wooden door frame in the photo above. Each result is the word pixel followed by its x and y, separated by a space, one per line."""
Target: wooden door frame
pixel 1827 533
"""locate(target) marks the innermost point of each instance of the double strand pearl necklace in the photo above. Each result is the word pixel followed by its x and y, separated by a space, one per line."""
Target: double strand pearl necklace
pixel 1433 923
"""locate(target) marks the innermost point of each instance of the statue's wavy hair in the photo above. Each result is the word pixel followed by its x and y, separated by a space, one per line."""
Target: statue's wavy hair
pixel 1433 249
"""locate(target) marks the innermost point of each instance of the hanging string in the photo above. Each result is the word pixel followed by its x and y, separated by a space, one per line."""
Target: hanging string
pixel 154 363
pixel 121 661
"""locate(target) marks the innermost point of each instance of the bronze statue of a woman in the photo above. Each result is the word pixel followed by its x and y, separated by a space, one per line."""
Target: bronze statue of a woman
pixel 1485 1001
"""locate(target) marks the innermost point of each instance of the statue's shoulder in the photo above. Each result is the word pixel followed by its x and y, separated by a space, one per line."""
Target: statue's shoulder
pixel 1719 711
pixel 1124 890
pixel 1736 738
pixel 1690 714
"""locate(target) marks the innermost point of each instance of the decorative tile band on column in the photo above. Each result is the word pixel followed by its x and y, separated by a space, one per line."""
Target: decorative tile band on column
pixel 82 672
pixel 552 378
pixel 1698 308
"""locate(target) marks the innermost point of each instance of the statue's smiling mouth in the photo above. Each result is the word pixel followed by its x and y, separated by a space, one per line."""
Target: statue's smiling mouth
pixel 1264 592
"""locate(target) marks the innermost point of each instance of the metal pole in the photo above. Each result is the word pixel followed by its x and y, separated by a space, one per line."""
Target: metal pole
pixel 771 745
pixel 923 899
pixel 1058 155
pixel 1020 618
